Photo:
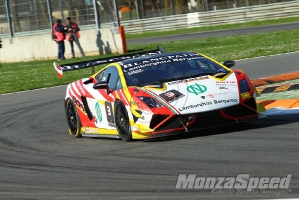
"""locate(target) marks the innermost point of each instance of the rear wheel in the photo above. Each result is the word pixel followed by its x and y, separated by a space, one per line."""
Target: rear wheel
pixel 73 119
pixel 122 122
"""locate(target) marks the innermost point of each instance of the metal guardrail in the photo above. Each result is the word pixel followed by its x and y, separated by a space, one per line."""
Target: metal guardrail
pixel 228 16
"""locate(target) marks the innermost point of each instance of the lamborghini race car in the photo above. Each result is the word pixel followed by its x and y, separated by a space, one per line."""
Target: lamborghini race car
pixel 154 93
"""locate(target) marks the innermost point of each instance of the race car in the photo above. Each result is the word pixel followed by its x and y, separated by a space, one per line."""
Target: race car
pixel 155 94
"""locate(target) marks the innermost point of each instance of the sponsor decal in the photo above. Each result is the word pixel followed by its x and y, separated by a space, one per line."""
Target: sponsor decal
pixel 188 80
pixel 98 112
pixel 171 95
pixel 164 59
pixel 134 67
pixel 225 101
pixel 109 113
pixel 226 84
pixel 223 88
pixel 202 104
pixel 196 89
pixel 91 130
pixel 245 95
pixel 213 95
pixel 240 184
pixel 135 71
pixel 78 103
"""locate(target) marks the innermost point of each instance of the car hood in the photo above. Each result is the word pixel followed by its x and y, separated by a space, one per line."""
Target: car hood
pixel 199 94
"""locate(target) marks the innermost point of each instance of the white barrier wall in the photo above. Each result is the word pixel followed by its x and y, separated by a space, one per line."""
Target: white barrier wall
pixel 41 47
pixel 217 17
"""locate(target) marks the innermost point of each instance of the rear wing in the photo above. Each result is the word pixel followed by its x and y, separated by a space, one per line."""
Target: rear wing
pixel 92 63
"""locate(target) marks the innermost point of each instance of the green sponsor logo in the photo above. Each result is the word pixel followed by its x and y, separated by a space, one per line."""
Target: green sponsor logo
pixel 98 111
pixel 196 89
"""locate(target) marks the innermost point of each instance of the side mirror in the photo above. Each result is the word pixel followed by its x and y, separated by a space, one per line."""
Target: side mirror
pixel 103 84
pixel 229 63
pixel 100 85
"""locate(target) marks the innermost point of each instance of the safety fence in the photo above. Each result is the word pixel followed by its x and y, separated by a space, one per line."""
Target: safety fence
pixel 19 17
pixel 228 16
pixel 141 9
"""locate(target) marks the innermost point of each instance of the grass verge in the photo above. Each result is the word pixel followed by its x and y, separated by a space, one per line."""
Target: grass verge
pixel 211 28
pixel 236 47
pixel 38 74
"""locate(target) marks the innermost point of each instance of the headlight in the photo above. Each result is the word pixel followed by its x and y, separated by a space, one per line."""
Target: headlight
pixel 152 103
pixel 244 86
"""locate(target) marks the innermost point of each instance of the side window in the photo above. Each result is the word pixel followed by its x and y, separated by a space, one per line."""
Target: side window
pixel 114 81
pixel 99 77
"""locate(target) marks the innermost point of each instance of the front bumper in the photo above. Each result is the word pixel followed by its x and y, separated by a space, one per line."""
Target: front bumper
pixel 164 125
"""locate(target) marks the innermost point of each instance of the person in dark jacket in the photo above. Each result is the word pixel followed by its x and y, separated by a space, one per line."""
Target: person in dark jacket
pixel 58 31
pixel 73 35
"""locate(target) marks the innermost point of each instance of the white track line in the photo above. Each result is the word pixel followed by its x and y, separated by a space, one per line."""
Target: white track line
pixel 268 56
pixel 32 90
pixel 64 85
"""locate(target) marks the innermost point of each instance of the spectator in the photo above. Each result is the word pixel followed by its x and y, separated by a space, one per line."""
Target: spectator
pixel 58 31
pixel 73 35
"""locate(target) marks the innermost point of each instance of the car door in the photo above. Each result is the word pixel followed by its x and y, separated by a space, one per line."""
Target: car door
pixel 103 107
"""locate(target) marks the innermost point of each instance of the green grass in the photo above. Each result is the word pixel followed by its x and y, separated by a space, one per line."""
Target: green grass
pixel 236 47
pixel 211 28
pixel 37 74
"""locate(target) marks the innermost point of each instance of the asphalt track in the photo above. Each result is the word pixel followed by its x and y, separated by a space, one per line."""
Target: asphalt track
pixel 218 33
pixel 40 160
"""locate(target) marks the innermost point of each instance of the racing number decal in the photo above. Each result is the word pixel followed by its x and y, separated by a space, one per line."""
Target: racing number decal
pixel 109 113
pixel 171 95
pixel 108 110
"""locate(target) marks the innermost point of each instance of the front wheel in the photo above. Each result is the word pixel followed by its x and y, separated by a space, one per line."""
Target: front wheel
pixel 73 119
pixel 122 122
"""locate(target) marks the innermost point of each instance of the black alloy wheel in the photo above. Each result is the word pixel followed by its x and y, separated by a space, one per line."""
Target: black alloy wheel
pixel 73 119
pixel 122 122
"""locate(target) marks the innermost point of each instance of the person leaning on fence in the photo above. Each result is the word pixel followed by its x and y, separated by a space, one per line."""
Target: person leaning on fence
pixel 73 35
pixel 58 36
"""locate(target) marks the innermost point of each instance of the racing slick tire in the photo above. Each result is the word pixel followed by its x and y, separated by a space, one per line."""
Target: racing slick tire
pixel 73 119
pixel 122 122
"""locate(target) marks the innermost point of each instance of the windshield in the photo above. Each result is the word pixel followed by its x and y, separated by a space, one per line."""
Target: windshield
pixel 168 68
